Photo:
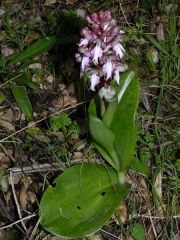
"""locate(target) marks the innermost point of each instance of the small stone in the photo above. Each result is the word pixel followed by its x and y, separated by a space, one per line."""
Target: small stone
pixel 35 66
pixel 2 12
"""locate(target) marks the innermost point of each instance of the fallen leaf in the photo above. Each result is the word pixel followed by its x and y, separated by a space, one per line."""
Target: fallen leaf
pixel 26 197
pixel 6 118
pixel 145 99
pixel 158 194
pixel 70 2
pixel 77 156
pixel 6 50
pixel 50 2
pixel 64 101
pixel 160 32
pixel 121 213
pixel 81 12
pixel 2 12
pixel 35 66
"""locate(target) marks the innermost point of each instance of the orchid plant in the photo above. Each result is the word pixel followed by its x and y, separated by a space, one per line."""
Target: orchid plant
pixel 86 195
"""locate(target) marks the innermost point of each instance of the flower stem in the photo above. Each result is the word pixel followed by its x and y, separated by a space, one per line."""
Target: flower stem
pixel 121 177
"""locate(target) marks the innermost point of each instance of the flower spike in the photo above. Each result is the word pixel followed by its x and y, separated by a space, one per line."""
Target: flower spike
pixel 100 52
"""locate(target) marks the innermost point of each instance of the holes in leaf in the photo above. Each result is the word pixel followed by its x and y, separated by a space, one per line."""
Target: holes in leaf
pixel 103 193
pixel 79 207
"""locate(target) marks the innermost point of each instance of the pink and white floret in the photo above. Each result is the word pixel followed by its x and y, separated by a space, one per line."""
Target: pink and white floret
pixel 100 53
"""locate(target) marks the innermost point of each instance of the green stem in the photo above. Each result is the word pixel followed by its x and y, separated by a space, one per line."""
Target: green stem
pixel 121 177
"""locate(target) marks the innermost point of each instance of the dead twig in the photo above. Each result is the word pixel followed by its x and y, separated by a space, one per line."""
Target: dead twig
pixel 34 123
pixel 16 201
pixel 124 15
pixel 18 221
pixel 6 152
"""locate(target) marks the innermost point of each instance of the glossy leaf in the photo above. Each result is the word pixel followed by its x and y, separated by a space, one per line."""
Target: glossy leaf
pixel 123 124
pixel 83 199
pixel 104 137
pixel 110 112
pixel 22 99
pixel 34 50
pixel 105 155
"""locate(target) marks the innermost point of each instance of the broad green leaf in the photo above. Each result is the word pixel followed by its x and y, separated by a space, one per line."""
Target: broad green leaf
pixel 2 97
pixel 138 232
pixel 82 201
pixel 26 79
pixel 104 137
pixel 105 155
pixel 34 50
pixel 109 113
pixel 123 124
pixel 22 99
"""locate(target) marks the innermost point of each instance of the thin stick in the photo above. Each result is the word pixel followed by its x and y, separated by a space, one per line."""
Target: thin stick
pixel 18 221
pixel 152 217
pixel 16 201
pixel 35 228
pixel 6 152
pixel 152 224
pixel 124 15
pixel 32 124
pixel 10 80
pixel 36 168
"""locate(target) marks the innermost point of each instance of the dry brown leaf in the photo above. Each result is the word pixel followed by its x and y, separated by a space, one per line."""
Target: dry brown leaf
pixel 26 181
pixel 145 99
pixel 77 156
pixel 32 37
pixel 26 197
pixel 158 187
pixel 7 51
pixel 23 198
pixel 97 237
pixel 4 160
pixel 50 2
pixel 81 12
pixel 150 234
pixel 70 2
pixel 62 102
pixel 6 119
pixel 121 212
pixel 160 32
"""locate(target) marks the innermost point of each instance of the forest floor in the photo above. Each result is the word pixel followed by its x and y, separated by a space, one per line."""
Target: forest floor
pixel 47 133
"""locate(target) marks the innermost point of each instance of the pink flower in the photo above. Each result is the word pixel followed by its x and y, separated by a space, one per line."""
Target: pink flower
pixel 107 69
pixel 119 50
pixel 94 81
pixel 84 63
pixel 96 53
pixel 84 42
pixel 119 68
pixel 100 52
